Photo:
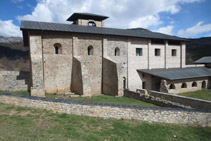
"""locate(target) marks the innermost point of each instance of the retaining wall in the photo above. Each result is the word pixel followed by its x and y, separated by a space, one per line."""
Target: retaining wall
pixel 150 114
pixel 14 80
pixel 187 101
pixel 168 100
pixel 143 96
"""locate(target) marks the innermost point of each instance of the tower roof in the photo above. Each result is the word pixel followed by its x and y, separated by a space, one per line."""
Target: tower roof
pixel 86 16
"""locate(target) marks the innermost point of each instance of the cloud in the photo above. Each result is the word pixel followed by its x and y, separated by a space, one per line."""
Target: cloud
pixel 197 29
pixel 17 1
pixel 8 29
pixel 122 13
pixel 165 30
pixel 145 22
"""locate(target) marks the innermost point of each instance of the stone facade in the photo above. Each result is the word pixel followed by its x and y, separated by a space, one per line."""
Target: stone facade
pixel 89 64
pixel 186 85
pixel 14 80
pixel 162 115
pixel 148 60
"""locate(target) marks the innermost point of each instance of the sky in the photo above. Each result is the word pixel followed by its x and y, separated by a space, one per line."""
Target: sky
pixel 183 18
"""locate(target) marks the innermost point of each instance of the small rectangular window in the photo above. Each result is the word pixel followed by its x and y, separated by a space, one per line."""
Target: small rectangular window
pixel 174 42
pixel 143 85
pixel 157 41
pixel 173 52
pixel 157 52
pixel 138 51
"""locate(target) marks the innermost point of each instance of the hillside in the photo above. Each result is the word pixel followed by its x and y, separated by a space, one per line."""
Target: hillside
pixel 13 56
pixel 197 48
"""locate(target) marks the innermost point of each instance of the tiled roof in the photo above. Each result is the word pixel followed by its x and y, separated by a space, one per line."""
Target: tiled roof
pixel 203 60
pixel 46 26
pixel 178 73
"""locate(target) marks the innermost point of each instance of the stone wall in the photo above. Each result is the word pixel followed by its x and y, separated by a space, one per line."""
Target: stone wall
pixel 110 77
pixel 118 65
pixel 91 65
pixel 161 115
pixel 182 100
pixel 148 60
pixel 57 67
pixel 85 22
pixel 36 58
pixel 188 82
pixel 142 94
pixel 137 62
pixel 14 80
pixel 76 82
pixel 52 72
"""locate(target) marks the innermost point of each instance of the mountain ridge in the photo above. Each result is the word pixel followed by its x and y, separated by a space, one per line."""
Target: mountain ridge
pixel 10 39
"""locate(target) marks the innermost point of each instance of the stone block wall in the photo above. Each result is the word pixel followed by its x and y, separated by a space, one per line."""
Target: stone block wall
pixel 137 62
pixel 162 115
pixel 52 72
pixel 110 77
pixel 77 81
pixel 57 67
pixel 36 58
pixel 192 102
pixel 178 85
pixel 85 22
pixel 14 81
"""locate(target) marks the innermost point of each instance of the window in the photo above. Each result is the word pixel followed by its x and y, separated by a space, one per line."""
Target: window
pixel 117 52
pixel 174 42
pixel 203 85
pixel 172 86
pixel 157 41
pixel 184 85
pixel 138 51
pixel 143 85
pixel 124 83
pixel 91 24
pixel 58 48
pixel 157 52
pixel 194 84
pixel 90 50
pixel 173 52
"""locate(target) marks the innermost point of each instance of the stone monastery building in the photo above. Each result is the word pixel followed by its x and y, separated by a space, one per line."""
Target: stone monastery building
pixel 87 58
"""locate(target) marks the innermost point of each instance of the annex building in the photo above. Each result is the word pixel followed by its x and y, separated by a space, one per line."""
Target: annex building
pixel 87 58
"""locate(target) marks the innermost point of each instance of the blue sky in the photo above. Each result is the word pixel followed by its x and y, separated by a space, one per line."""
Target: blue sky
pixel 184 18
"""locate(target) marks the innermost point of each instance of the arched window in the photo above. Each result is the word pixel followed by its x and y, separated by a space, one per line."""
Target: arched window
pixel 91 24
pixel 194 84
pixel 172 86
pixel 117 51
pixel 203 85
pixel 90 50
pixel 184 85
pixel 58 48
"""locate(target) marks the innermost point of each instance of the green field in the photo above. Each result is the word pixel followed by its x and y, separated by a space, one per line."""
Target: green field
pixel 202 94
pixel 23 124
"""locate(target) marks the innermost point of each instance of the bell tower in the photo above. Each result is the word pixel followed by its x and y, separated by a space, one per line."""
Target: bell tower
pixel 87 19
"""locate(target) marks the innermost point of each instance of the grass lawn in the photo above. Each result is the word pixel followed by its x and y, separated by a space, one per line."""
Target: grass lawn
pixel 97 99
pixel 202 94
pixel 105 99
pixel 22 124
pixel 26 93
